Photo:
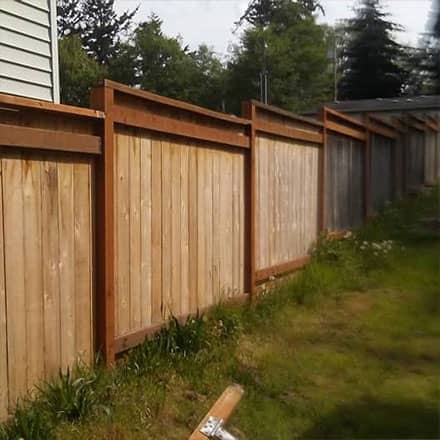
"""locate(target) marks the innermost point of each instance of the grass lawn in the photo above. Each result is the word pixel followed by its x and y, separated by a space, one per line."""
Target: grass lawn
pixel 350 348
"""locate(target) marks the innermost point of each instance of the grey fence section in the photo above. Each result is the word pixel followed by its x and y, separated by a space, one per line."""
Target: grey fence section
pixel 432 157
pixel 415 159
pixel 382 170
pixel 345 183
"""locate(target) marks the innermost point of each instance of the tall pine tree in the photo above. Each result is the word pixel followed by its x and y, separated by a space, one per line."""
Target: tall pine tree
pixel 370 66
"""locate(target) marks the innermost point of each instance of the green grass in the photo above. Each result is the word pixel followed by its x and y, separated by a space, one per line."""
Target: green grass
pixel 350 348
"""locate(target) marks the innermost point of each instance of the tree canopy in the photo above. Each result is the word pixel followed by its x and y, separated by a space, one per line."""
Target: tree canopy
pixel 370 57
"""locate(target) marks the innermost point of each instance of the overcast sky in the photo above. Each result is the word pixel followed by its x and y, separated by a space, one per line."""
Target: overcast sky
pixel 212 21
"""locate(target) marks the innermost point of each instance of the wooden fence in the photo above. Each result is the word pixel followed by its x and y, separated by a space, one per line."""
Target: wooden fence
pixel 114 219
pixel 382 161
pixel 46 241
pixel 287 167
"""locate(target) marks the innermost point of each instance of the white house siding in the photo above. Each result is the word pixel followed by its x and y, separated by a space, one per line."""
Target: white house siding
pixel 28 49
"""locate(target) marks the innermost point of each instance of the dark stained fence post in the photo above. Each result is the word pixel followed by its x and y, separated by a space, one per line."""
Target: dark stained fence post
pixel 102 99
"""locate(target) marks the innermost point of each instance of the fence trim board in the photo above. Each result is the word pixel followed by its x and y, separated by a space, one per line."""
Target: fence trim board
pixel 288 132
pixel 382 131
pixel 168 125
pixel 36 138
pixel 344 117
pixel 16 101
pixel 281 269
pixel 170 102
pixel 342 129
pixel 286 113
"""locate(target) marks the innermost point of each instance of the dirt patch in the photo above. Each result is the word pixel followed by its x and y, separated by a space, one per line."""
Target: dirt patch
pixel 358 303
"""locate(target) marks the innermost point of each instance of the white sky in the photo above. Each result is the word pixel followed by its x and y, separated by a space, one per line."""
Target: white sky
pixel 212 21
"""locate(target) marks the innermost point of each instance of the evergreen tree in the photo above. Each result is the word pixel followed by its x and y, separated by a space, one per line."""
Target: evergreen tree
pixel 370 67
pixel 102 29
pixel 262 12
pixel 78 72
pixel 69 17
pixel 292 50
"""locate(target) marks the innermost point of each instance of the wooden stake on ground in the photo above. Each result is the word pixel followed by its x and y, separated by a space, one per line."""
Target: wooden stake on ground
pixel 222 409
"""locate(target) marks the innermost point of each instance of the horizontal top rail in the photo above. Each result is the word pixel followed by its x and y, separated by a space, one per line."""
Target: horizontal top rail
pixel 382 121
pixel 276 122
pixel 287 114
pixel 415 122
pixel 11 102
pixel 174 103
pixel 43 139
pixel 345 125
pixel 381 127
pixel 344 117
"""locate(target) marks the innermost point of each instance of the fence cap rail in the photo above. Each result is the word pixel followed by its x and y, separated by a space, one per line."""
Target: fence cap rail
pixel 286 113
pixel 17 102
pixel 170 102
pixel 345 118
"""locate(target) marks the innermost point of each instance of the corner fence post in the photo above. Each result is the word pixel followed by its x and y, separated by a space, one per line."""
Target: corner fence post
pixel 248 112
pixel 322 216
pixel 102 98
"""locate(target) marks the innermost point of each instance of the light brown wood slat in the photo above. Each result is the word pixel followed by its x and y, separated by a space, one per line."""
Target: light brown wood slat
pixel 176 245
pixel 236 224
pixel 66 220
pixel 146 236
pixel 166 230
pixel 242 220
pixel 156 231
pixel 201 236
pixel 286 132
pixel 4 386
pixel 222 409
pixel 51 260
pixel 193 228
pixel 184 229
pixel 258 189
pixel 83 236
pixel 122 216
pixel 347 131
pixel 216 230
pixel 33 271
pixel 227 217
pixel 15 275
pixel 134 146
pixel 209 297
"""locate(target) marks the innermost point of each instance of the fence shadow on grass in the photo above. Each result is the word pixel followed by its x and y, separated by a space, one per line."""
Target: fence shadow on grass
pixel 374 419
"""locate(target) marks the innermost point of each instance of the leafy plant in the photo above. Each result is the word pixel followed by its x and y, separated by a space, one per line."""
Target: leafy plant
pixel 30 422
pixel 71 398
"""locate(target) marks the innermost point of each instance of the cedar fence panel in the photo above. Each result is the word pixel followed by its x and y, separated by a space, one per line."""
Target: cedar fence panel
pixel 345 172
pixel 415 155
pixel 178 203
pixel 432 154
pixel 287 188
pixel 382 161
pixel 46 245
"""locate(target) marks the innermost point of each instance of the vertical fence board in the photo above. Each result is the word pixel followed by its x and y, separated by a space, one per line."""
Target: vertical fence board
pixel 176 244
pixel 15 275
pixel 166 229
pixel 122 219
pixel 4 385
pixel 156 230
pixel 146 236
pixel 134 147
pixel 51 276
pixel 184 230
pixel 33 273
pixel 83 261
pixel 66 220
